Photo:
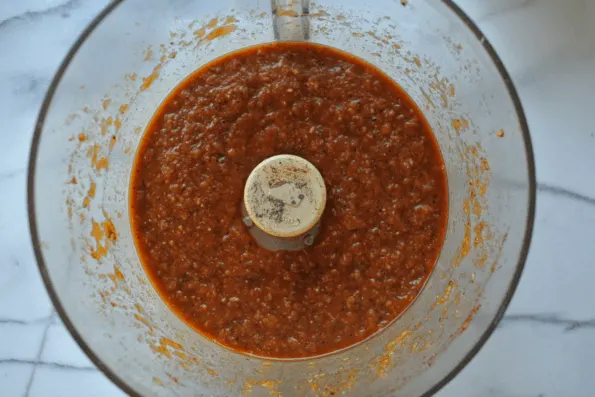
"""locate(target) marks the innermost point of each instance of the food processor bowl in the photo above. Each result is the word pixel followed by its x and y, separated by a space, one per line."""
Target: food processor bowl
pixel 102 98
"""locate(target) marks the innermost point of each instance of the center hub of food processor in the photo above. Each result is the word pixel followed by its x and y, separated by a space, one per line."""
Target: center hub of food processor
pixel 285 196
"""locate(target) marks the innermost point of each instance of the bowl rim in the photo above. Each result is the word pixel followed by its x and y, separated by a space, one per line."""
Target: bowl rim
pixel 123 385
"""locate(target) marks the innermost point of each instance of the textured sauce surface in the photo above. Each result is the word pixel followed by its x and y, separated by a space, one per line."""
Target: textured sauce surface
pixel 381 232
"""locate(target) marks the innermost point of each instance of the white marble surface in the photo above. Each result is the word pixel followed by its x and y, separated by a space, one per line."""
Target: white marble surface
pixel 546 344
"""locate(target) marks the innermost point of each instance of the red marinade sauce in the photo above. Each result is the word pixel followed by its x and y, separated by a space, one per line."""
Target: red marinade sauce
pixel 381 232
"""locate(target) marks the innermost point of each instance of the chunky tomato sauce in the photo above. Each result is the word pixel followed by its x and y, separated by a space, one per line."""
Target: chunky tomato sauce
pixel 381 232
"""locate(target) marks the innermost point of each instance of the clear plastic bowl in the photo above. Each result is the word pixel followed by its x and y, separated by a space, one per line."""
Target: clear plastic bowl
pixel 92 119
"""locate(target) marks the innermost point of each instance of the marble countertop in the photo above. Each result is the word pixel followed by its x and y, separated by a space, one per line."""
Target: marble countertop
pixel 544 347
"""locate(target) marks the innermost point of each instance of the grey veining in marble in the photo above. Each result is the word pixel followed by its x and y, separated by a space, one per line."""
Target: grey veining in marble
pixel 544 346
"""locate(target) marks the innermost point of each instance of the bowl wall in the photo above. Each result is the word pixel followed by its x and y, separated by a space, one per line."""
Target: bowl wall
pixel 90 127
